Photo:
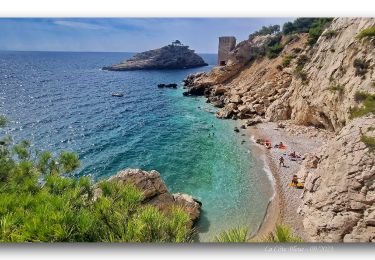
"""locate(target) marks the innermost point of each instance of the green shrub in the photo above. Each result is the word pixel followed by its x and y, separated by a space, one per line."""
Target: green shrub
pixel 369 142
pixel 359 96
pixel 282 234
pixel 299 72
pixel 274 51
pixel 296 50
pixel 265 30
pixel 286 61
pixel 37 204
pixel 314 26
pixel 339 88
pixel 291 38
pixel 360 66
pixel 236 235
pixel 302 60
pixel 368 104
pixel 316 29
pixel 330 34
pixel 369 32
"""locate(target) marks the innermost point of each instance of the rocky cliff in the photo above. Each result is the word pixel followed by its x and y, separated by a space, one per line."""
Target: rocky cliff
pixel 327 94
pixel 321 86
pixel 339 196
pixel 173 56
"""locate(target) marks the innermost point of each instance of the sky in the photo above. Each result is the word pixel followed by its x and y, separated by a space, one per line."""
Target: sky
pixel 123 34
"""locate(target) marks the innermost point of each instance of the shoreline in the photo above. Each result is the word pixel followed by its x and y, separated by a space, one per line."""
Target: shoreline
pixel 282 208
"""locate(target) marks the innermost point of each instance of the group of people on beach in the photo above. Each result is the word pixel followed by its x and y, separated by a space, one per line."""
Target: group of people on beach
pixel 293 156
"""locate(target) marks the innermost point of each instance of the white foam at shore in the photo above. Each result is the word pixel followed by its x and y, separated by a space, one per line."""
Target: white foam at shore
pixel 269 174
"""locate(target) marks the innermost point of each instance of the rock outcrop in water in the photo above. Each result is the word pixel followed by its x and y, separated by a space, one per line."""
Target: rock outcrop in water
pixel 173 56
pixel 316 86
pixel 156 192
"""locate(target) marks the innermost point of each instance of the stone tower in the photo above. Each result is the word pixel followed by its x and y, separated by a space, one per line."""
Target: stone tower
pixel 226 45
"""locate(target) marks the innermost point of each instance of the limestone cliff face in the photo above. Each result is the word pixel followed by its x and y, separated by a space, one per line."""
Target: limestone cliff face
pixel 248 85
pixel 327 95
pixel 167 57
pixel 339 196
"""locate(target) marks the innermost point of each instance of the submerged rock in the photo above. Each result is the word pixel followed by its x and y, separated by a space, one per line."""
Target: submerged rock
pixel 173 56
pixel 172 85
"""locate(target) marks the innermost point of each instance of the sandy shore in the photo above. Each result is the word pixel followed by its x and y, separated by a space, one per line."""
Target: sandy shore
pixel 286 200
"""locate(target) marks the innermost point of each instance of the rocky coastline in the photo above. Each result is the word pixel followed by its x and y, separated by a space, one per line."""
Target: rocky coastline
pixel 172 56
pixel 155 192
pixel 305 97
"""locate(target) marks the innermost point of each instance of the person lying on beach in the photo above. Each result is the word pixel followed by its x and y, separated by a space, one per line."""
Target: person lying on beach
pixel 281 161
pixel 280 146
pixel 294 155
pixel 267 144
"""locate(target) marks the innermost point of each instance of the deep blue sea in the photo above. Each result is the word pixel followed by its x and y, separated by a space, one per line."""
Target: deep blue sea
pixel 62 101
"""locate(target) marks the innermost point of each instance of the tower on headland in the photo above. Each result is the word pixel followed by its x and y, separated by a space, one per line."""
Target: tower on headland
pixel 226 45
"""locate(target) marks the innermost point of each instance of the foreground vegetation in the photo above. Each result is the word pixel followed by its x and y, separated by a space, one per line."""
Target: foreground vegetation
pixel 39 203
pixel 282 234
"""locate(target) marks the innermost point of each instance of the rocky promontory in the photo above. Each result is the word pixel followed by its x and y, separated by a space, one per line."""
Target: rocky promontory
pixel 155 192
pixel 172 56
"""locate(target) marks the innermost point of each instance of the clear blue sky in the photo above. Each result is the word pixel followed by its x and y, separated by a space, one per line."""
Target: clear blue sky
pixel 123 34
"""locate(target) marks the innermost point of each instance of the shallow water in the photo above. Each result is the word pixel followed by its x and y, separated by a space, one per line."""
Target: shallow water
pixel 62 101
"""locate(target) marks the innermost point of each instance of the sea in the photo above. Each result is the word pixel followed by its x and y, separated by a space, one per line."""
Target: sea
pixel 61 101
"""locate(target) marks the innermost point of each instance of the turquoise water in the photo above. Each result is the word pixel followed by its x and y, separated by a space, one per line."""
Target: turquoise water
pixel 62 101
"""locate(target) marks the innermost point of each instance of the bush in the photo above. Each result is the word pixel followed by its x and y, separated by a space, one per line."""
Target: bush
pixel 330 34
pixel 369 142
pixel 338 87
pixel 296 50
pixel 279 67
pixel 236 235
pixel 316 29
pixel 282 234
pixel 265 30
pixel 369 32
pixel 274 51
pixel 286 61
pixel 301 74
pixel 303 25
pixel 302 60
pixel 368 104
pixel 37 204
pixel 360 66
pixel 359 96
